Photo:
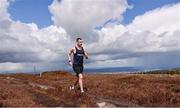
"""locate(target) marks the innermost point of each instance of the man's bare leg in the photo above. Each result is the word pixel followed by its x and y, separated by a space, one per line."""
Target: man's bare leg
pixel 81 82
pixel 76 82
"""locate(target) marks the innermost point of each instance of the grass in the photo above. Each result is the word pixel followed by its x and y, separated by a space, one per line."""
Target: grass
pixel 119 89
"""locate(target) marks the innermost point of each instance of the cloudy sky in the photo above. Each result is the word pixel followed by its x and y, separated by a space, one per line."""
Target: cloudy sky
pixel 116 33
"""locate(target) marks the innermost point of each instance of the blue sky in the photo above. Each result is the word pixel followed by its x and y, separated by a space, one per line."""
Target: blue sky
pixel 28 11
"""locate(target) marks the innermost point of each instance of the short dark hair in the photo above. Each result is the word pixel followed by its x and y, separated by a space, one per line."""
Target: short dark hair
pixel 77 39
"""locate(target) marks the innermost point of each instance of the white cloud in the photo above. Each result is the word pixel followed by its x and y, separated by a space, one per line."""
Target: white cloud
pixel 160 20
pixel 152 33
pixel 3 12
pixel 23 43
pixel 80 17
pixel 155 31
pixel 50 42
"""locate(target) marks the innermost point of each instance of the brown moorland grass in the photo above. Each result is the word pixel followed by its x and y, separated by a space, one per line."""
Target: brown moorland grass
pixel 52 89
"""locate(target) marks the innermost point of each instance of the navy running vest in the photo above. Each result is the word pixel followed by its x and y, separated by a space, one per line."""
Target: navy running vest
pixel 78 56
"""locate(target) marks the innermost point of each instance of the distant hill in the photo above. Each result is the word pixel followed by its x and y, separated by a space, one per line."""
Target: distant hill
pixel 168 71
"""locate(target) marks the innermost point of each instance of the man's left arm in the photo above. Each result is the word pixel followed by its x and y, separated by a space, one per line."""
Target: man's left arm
pixel 85 54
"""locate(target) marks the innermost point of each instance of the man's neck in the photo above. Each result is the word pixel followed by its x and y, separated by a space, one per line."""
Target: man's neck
pixel 79 47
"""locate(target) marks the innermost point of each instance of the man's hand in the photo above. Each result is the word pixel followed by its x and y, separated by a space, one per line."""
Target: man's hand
pixel 70 62
pixel 86 57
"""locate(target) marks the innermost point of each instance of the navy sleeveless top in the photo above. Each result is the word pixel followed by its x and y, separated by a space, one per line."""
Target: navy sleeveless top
pixel 78 56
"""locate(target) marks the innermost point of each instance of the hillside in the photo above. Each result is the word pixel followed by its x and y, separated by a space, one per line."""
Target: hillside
pixel 52 90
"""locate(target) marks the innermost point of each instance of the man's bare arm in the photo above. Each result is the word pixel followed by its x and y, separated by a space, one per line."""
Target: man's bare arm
pixel 86 54
pixel 69 56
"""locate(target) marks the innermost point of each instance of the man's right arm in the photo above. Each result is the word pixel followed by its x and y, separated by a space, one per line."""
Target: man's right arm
pixel 69 56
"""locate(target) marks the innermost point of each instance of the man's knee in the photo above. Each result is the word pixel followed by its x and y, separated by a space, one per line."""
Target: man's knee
pixel 80 76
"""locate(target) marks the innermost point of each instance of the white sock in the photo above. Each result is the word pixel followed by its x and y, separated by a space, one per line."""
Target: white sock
pixel 82 91
pixel 73 87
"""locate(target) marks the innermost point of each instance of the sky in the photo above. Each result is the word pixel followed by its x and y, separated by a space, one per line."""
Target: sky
pixel 116 33
pixel 27 11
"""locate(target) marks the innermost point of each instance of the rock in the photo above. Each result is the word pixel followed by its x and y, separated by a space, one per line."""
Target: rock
pixel 105 104
pixel 45 87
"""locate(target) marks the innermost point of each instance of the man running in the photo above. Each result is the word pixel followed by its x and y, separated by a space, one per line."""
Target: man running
pixel 77 63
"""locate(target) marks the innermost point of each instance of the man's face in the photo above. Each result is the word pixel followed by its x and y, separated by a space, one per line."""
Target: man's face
pixel 80 42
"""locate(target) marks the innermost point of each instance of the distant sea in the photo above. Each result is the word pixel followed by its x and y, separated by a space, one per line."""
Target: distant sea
pixel 112 70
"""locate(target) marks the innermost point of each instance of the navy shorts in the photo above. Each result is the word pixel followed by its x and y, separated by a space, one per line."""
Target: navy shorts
pixel 78 69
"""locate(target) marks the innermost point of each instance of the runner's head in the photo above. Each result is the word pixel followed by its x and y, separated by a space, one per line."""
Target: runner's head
pixel 79 41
